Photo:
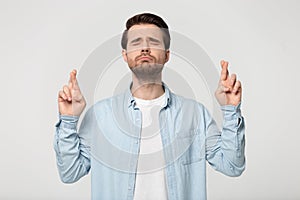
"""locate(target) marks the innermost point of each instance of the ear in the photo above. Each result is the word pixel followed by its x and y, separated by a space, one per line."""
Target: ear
pixel 124 55
pixel 167 55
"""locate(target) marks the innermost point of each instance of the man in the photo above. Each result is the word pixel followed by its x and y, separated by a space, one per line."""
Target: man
pixel 148 143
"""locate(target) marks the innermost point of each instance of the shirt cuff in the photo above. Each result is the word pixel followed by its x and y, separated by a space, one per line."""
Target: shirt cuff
pixel 231 112
pixel 67 121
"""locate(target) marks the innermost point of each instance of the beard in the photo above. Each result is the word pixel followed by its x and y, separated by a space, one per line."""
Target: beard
pixel 148 72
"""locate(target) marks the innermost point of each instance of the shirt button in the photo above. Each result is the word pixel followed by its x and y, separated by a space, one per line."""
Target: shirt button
pixel 136 141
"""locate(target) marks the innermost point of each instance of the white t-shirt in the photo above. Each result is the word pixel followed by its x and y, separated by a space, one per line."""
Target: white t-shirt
pixel 150 182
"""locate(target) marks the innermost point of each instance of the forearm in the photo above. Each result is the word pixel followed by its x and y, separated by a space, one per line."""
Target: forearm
pixel 233 135
pixel 225 151
pixel 72 161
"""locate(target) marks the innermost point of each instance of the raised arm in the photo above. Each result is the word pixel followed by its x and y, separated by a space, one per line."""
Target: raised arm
pixel 72 154
pixel 225 148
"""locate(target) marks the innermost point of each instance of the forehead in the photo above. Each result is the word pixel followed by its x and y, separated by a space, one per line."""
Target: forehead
pixel 145 30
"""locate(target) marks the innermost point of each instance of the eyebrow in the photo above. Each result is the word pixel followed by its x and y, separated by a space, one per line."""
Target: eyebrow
pixel 150 38
pixel 153 39
pixel 136 40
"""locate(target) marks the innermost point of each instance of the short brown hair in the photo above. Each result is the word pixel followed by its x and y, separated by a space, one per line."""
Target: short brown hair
pixel 146 18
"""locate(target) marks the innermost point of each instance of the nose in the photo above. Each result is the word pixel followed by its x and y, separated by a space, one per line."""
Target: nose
pixel 145 48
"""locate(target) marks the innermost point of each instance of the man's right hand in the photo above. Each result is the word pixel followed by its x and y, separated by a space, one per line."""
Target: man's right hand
pixel 70 100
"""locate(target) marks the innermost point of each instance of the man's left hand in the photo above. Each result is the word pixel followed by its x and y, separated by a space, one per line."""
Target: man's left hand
pixel 229 91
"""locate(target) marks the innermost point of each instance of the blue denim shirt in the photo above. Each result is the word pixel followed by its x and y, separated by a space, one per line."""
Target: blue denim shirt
pixel 107 144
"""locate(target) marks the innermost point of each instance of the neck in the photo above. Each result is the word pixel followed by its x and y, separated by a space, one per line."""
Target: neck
pixel 147 91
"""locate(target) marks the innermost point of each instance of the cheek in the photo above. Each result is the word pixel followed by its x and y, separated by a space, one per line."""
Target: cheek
pixel 131 59
pixel 130 62
pixel 132 55
pixel 161 58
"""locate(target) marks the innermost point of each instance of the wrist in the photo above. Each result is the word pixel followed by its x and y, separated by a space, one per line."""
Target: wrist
pixel 67 121
pixel 231 111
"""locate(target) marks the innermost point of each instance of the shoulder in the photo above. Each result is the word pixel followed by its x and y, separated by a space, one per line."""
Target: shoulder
pixel 104 106
pixel 184 102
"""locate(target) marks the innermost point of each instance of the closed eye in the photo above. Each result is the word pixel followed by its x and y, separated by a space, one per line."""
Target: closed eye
pixel 154 41
pixel 136 41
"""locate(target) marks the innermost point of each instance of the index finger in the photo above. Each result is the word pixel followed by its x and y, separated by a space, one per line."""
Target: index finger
pixel 224 72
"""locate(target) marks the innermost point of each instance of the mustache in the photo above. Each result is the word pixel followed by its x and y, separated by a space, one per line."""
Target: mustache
pixel 144 55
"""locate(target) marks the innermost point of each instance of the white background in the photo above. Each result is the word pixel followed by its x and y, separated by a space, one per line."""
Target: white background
pixel 41 41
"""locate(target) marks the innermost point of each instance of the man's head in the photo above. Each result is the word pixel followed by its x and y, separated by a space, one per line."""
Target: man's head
pixel 146 18
pixel 145 44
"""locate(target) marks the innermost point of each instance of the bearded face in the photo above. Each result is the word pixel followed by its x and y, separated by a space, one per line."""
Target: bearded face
pixel 146 54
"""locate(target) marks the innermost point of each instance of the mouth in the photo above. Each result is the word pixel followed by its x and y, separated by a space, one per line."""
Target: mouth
pixel 144 58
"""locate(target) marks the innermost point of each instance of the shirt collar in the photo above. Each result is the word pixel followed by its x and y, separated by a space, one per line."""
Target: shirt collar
pixel 131 100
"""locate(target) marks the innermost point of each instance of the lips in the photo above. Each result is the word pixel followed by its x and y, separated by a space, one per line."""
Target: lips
pixel 144 58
